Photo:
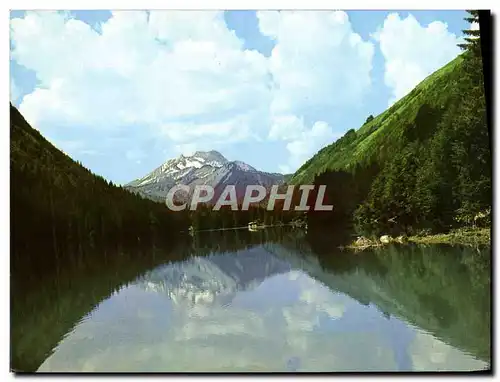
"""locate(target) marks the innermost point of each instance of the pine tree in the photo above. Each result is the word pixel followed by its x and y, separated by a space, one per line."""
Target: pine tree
pixel 473 42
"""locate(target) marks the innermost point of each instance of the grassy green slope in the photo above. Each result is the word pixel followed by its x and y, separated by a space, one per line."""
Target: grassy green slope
pixel 374 139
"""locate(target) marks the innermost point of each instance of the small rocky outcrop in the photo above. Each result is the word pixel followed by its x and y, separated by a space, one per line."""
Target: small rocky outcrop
pixel 362 241
pixel 402 239
pixel 386 239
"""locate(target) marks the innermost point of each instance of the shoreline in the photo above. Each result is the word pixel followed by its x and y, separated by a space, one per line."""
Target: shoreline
pixel 460 236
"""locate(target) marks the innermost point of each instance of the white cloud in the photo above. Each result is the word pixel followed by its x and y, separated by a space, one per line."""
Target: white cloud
pixel 230 130
pixel 286 127
pixel 318 61
pixel 318 64
pixel 308 142
pixel 140 71
pixel 302 142
pixel 183 79
pixel 413 51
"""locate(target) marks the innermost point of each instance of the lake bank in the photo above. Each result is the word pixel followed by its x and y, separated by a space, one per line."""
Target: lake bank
pixel 461 236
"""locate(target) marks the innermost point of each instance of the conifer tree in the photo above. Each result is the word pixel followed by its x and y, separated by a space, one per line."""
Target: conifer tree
pixel 472 42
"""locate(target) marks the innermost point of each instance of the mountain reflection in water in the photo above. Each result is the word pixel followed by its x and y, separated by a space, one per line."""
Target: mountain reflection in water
pixel 264 301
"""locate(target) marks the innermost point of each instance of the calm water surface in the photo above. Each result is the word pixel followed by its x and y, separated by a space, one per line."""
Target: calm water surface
pixel 274 301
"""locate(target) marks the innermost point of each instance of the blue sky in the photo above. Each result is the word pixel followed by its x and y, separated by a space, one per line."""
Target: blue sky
pixel 123 92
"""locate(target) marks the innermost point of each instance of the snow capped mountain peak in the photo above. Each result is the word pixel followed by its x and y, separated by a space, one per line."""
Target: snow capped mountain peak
pixel 243 166
pixel 211 153
pixel 213 279
pixel 203 167
pixel 210 157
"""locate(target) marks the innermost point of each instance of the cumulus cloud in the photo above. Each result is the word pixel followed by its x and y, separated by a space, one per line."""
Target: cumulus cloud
pixel 315 69
pixel 413 51
pixel 302 142
pixel 308 142
pixel 318 61
pixel 168 76
pixel 184 80
pixel 142 68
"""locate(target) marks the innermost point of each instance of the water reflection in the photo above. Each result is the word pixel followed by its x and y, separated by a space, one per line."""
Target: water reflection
pixel 237 302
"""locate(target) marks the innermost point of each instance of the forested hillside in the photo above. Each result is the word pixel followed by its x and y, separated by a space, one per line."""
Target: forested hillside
pixel 423 163
pixel 57 202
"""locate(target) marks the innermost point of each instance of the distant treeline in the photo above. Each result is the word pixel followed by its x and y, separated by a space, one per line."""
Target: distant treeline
pixel 205 218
